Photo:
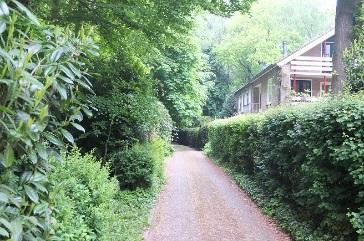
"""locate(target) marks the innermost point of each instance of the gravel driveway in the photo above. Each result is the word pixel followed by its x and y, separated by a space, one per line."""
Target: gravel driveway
pixel 201 203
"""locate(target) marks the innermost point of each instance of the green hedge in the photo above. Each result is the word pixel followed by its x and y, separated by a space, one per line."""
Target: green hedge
pixel 193 137
pixel 310 157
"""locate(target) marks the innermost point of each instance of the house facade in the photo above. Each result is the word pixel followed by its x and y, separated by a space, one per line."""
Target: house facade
pixel 303 76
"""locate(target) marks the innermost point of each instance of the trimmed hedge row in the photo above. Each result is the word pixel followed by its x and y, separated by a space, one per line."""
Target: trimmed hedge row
pixel 193 137
pixel 311 157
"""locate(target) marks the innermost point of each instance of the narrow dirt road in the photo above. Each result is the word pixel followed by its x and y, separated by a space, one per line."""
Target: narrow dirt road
pixel 201 203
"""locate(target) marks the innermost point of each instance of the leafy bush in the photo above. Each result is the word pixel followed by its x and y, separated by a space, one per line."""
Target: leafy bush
pixel 234 140
pixel 126 113
pixel 309 157
pixel 135 209
pixel 354 61
pixel 354 56
pixel 139 165
pixel 85 199
pixel 41 78
pixel 193 137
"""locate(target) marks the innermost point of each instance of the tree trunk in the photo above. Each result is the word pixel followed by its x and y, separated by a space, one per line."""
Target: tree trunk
pixel 344 22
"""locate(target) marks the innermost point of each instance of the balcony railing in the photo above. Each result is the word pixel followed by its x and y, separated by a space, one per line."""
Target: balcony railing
pixel 312 66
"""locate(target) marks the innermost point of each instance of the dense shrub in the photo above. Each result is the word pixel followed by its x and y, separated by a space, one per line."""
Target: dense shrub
pixel 123 118
pixel 42 75
pixel 235 140
pixel 85 200
pixel 126 109
pixel 354 57
pixel 140 164
pixel 309 157
pixel 354 60
pixel 193 137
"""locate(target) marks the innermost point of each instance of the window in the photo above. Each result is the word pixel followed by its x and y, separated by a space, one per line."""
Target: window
pixel 269 91
pixel 327 49
pixel 322 88
pixel 302 86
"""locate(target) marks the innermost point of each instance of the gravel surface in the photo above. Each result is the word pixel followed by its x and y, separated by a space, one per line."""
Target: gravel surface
pixel 201 203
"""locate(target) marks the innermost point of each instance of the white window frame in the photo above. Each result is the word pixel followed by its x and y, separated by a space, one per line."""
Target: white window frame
pixel 322 49
pixel 306 80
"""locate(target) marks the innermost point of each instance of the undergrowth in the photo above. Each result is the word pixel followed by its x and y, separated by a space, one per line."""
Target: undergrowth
pixel 280 211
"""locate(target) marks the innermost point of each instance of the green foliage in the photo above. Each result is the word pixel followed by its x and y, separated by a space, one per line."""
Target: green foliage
pixel 124 117
pixel 135 209
pixel 182 81
pixel 85 199
pixel 138 38
pixel 227 109
pixel 149 18
pixel 309 158
pixel 193 137
pixel 218 102
pixel 144 35
pixel 287 217
pixel 241 147
pixel 126 109
pixel 89 204
pixel 42 73
pixel 354 56
pixel 139 165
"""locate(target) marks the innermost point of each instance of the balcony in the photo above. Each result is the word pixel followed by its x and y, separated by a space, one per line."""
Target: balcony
pixel 312 66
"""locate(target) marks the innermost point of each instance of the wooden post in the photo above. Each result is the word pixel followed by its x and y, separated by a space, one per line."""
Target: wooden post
pixel 324 55
pixel 294 84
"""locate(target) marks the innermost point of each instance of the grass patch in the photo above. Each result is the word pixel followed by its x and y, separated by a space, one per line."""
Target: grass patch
pixel 135 210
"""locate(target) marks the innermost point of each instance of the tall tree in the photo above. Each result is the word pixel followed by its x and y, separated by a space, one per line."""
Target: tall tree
pixel 344 22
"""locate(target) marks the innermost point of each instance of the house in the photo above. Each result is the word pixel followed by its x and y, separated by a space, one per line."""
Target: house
pixel 303 76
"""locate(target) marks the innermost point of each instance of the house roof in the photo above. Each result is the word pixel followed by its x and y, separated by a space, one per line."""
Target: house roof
pixel 306 48
pixel 290 57
pixel 260 74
